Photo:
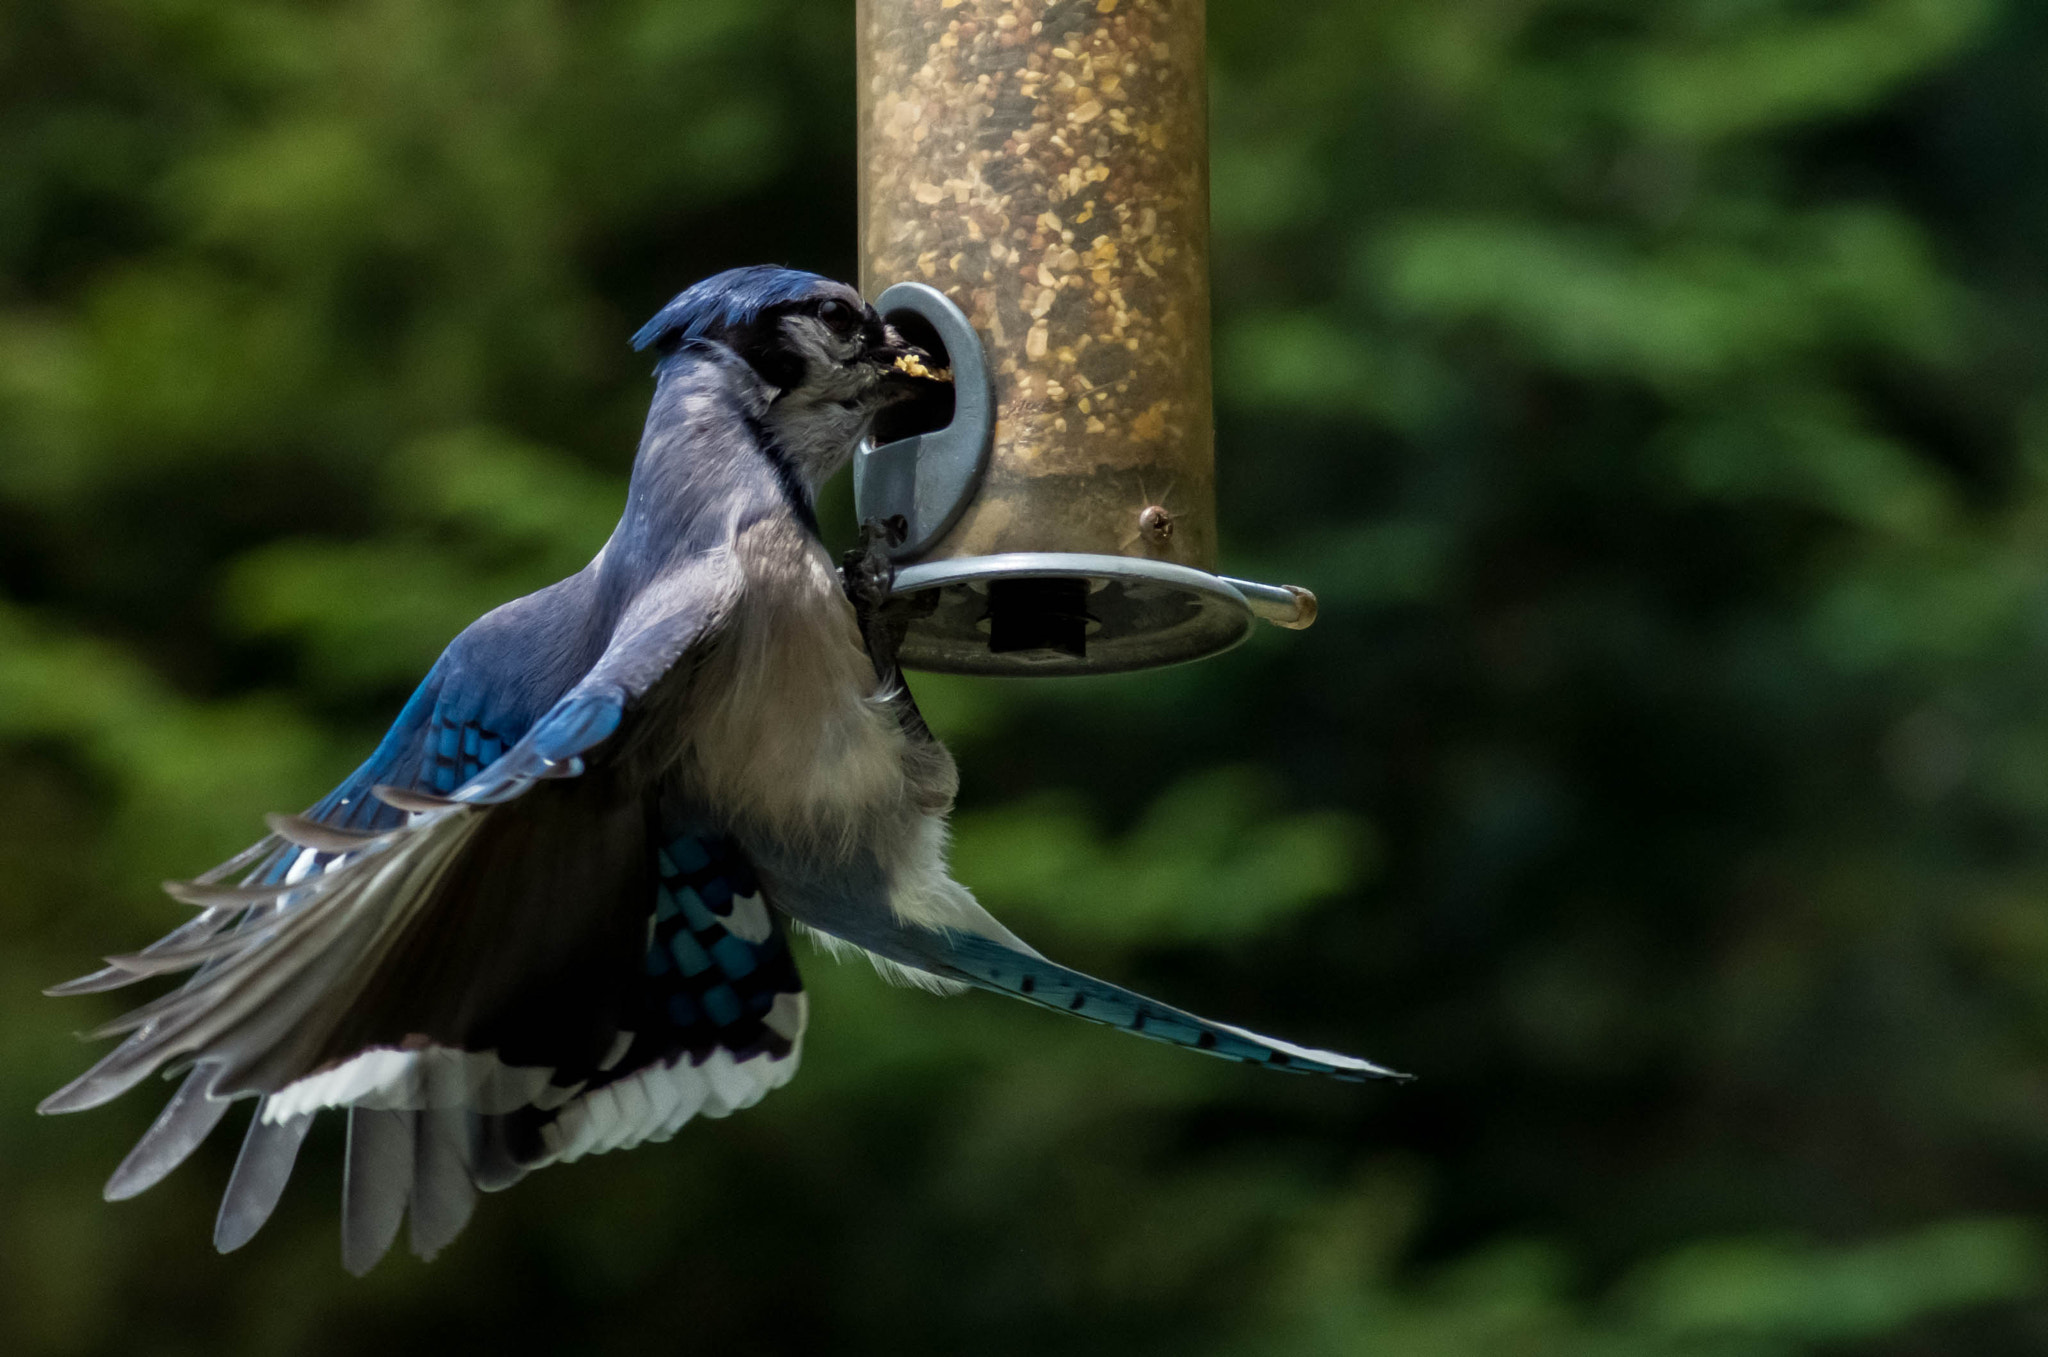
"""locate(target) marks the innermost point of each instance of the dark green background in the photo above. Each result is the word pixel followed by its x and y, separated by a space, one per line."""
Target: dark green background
pixel 1654 394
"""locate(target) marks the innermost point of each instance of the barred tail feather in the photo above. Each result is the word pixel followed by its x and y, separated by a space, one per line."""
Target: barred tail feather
pixel 992 965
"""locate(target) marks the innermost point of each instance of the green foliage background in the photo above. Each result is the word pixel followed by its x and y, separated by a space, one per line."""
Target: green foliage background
pixel 1654 394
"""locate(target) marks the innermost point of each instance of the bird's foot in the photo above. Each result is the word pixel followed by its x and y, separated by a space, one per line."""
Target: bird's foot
pixel 867 571
pixel 868 575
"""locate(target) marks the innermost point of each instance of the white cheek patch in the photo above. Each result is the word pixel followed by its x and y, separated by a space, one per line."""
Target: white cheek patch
pixel 821 349
pixel 818 422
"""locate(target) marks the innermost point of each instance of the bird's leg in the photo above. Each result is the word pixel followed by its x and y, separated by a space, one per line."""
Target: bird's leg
pixel 868 575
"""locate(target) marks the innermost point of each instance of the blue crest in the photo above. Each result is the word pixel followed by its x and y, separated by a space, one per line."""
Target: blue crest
pixel 725 302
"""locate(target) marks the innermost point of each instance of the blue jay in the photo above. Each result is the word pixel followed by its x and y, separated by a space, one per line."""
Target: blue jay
pixel 549 916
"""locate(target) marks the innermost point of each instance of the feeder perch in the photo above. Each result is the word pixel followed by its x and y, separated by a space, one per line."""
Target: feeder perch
pixel 1035 211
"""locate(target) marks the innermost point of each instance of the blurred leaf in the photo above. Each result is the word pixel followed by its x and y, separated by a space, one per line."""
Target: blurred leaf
pixel 1208 862
pixel 1832 1296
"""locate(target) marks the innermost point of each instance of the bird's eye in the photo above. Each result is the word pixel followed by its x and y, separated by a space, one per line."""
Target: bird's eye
pixel 843 319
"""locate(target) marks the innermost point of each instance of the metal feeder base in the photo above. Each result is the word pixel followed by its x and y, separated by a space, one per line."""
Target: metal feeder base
pixel 1039 614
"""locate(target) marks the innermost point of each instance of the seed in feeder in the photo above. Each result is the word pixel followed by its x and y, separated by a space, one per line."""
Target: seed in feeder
pixel 1047 130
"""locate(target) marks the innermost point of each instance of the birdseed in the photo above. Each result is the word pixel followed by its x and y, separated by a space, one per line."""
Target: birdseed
pixel 1045 165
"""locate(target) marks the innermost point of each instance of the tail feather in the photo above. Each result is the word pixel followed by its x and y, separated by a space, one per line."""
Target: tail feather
pixel 991 965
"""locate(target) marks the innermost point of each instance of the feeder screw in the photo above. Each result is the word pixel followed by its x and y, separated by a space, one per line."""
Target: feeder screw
pixel 1156 524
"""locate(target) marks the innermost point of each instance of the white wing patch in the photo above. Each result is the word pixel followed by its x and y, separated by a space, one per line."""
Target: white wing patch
pixel 413 1080
pixel 650 1104
pixel 749 920
pixel 621 1044
pixel 653 1103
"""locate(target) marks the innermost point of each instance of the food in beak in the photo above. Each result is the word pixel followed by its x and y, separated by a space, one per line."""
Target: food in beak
pixel 912 366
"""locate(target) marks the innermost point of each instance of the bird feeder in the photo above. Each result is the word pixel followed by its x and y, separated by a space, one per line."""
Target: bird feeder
pixel 1035 211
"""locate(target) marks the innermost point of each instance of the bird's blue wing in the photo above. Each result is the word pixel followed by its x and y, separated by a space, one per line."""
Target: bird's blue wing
pixel 705 1016
pixel 464 888
pixel 457 724
pixel 471 914
pixel 712 1018
pixel 380 864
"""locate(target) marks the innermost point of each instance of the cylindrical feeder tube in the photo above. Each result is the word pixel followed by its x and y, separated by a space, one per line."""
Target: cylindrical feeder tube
pixel 1045 165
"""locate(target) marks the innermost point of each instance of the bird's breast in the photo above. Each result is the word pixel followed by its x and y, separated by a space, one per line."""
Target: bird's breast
pixel 784 728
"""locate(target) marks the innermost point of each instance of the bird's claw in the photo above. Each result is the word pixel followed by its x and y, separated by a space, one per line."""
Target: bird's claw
pixel 868 572
pixel 868 575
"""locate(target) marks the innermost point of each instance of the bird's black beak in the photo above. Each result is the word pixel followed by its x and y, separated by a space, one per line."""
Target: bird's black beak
pixel 904 363
pixel 913 391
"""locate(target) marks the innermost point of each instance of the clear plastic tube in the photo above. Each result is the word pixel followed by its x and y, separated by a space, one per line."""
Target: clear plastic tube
pixel 1046 166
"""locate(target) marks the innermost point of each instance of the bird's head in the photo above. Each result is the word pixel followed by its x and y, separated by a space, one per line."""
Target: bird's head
pixel 830 359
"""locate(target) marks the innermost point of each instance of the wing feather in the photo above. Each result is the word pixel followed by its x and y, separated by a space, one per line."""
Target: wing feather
pixel 453 912
pixel 376 1181
pixel 269 1151
pixel 187 1119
